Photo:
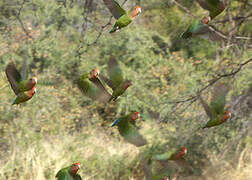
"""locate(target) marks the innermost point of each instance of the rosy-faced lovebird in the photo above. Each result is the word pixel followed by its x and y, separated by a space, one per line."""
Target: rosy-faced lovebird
pixel 116 80
pixel 69 173
pixel 24 96
pixel 18 80
pixel 91 86
pixel 215 7
pixel 123 18
pixel 216 110
pixel 202 30
pixel 128 130
pixel 172 155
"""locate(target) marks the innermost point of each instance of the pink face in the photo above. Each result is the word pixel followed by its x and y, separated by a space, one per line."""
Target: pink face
pixel 138 9
pixel 75 167
pixel 135 116
pixel 95 72
pixel 34 80
pixel 183 151
pixel 206 20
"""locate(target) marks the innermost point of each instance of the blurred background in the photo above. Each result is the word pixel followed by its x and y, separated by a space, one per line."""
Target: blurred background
pixel 60 39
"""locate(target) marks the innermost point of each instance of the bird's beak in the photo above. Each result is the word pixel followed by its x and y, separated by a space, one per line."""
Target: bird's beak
pixel 35 79
pixel 79 166
pixel 115 122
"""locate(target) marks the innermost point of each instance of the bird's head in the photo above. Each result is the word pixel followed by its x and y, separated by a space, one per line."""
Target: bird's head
pixel 94 73
pixel 74 168
pixel 135 116
pixel 127 84
pixel 33 80
pixel 183 151
pixel 137 10
pixel 206 20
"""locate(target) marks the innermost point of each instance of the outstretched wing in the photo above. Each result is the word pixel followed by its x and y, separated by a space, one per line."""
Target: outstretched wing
pixel 23 71
pixel 206 107
pixel 13 76
pixel 214 7
pixel 218 100
pixel 116 10
pixel 132 135
pixel 103 95
pixel 115 73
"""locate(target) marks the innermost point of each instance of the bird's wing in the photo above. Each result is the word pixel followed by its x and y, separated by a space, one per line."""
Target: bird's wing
pixel 107 81
pixel 13 76
pixel 218 100
pixel 63 175
pixel 132 136
pixel 77 177
pixel 162 157
pixel 103 95
pixel 23 71
pixel 115 72
pixel 206 107
pixel 116 10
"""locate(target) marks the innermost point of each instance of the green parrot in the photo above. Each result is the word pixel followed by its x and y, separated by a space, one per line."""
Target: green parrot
pixel 201 29
pixel 18 80
pixel 157 166
pixel 69 173
pixel 24 96
pixel 215 7
pixel 91 86
pixel 177 155
pixel 123 18
pixel 128 130
pixel 216 110
pixel 116 80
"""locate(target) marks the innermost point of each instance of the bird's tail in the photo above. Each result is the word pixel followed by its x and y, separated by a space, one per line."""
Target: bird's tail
pixel 110 99
pixel 186 35
pixel 112 30
pixel 115 122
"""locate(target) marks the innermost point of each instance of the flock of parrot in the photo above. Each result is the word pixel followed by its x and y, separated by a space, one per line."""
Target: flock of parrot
pixel 93 85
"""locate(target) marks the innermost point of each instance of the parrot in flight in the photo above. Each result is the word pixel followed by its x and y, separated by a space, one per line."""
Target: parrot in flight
pixel 123 18
pixel 90 84
pixel 161 170
pixel 216 110
pixel 115 80
pixel 128 130
pixel 69 173
pixel 172 155
pixel 215 7
pixel 23 87
pixel 201 29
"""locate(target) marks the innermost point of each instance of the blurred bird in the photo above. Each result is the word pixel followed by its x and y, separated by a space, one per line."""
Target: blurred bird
pixel 128 130
pixel 172 155
pixel 201 29
pixel 115 80
pixel 167 170
pixel 24 96
pixel 18 80
pixel 215 7
pixel 123 18
pixel 69 173
pixel 91 86
pixel 216 110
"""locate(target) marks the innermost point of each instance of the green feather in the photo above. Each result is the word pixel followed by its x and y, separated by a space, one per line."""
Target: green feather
pixel 123 21
pixel 129 132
